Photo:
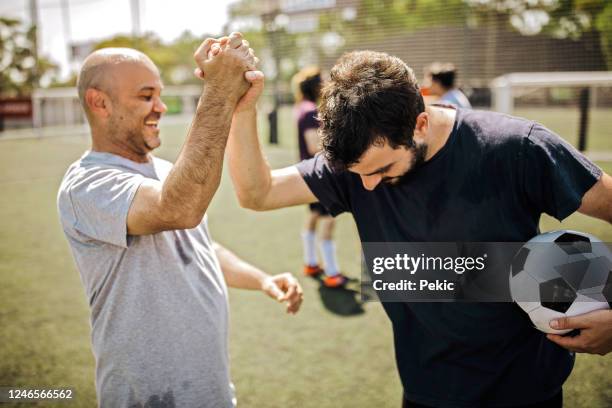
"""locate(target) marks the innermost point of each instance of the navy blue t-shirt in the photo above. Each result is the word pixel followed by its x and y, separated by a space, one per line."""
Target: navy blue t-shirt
pixel 491 181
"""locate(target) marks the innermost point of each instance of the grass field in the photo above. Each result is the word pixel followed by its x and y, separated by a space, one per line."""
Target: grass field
pixel 326 356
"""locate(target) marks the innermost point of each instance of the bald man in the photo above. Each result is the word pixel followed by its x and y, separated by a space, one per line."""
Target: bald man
pixel 137 227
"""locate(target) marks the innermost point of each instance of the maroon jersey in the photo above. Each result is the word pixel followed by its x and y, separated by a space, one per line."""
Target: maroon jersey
pixel 306 114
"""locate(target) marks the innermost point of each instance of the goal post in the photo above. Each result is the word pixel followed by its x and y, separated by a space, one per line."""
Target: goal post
pixel 507 89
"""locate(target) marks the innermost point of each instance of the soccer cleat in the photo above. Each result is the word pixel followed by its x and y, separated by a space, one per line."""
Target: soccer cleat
pixel 312 271
pixel 336 281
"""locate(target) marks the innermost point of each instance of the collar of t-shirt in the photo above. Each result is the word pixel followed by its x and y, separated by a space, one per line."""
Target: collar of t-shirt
pixel 146 169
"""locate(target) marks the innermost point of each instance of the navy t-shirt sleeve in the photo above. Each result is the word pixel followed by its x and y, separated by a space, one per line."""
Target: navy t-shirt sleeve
pixel 309 120
pixel 330 187
pixel 556 175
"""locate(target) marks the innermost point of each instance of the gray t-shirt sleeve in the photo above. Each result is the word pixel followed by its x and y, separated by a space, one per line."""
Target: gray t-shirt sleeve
pixel 96 203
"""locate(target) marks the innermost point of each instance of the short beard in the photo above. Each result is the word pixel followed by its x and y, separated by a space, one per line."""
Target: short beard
pixel 138 143
pixel 129 137
pixel 419 153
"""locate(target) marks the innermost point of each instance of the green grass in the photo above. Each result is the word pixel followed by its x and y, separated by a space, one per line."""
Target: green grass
pixel 314 359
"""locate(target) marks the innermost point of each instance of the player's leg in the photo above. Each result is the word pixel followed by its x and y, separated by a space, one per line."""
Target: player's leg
pixel 311 265
pixel 333 277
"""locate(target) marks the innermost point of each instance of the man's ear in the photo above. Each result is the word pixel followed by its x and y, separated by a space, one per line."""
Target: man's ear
pixel 98 102
pixel 422 124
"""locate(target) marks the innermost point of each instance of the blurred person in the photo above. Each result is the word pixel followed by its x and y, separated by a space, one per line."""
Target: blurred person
pixel 414 173
pixel 441 80
pixel 307 87
pixel 137 227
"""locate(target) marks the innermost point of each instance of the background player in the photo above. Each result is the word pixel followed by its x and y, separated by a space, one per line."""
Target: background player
pixel 441 79
pixel 307 87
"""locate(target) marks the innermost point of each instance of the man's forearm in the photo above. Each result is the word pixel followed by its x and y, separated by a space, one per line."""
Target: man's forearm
pixel 248 167
pixel 196 175
pixel 238 273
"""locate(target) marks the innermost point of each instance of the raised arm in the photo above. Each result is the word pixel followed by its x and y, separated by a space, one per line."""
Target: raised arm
pixel 181 201
pixel 257 187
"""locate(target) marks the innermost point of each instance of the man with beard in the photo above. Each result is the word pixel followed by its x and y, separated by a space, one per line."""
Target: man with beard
pixel 410 173
pixel 137 227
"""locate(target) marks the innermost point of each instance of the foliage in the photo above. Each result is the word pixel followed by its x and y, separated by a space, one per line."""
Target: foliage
pixel 603 24
pixel 20 70
pixel 372 20
pixel 377 19
pixel 174 60
pixel 559 18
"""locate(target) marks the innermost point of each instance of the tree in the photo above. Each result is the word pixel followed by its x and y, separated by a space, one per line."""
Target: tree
pixel 376 19
pixel 20 70
pixel 174 60
pixel 558 18
pixel 603 23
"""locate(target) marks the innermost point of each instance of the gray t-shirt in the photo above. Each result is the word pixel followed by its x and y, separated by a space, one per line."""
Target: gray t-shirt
pixel 159 311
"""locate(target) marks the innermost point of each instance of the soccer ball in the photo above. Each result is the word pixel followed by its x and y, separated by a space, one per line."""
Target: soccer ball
pixel 561 273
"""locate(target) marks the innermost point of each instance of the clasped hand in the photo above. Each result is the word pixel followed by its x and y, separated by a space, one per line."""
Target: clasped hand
pixel 223 62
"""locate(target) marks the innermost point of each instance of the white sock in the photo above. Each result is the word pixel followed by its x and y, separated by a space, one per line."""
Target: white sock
pixel 310 248
pixel 328 248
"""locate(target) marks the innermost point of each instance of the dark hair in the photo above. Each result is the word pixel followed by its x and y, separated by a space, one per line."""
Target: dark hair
pixel 311 87
pixel 444 74
pixel 371 97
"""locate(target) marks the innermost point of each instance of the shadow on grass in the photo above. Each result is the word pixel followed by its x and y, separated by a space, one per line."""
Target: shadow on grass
pixel 343 301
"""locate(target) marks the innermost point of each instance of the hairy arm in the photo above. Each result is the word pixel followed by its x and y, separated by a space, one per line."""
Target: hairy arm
pixel 257 187
pixel 181 201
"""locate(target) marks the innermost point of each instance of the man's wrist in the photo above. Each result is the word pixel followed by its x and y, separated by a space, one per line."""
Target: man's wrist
pixel 262 278
pixel 246 113
pixel 218 94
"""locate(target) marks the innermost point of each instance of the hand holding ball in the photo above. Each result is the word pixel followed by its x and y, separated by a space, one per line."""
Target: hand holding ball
pixel 559 274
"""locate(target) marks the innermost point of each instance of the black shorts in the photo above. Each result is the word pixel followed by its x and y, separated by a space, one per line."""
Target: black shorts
pixel 319 209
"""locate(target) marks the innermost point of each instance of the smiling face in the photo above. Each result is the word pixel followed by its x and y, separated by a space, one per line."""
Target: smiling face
pixel 136 107
pixel 383 163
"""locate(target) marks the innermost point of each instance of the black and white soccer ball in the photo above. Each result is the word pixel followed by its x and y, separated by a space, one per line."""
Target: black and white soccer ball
pixel 561 273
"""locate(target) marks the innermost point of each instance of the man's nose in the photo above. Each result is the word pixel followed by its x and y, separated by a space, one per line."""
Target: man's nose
pixel 160 106
pixel 370 182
